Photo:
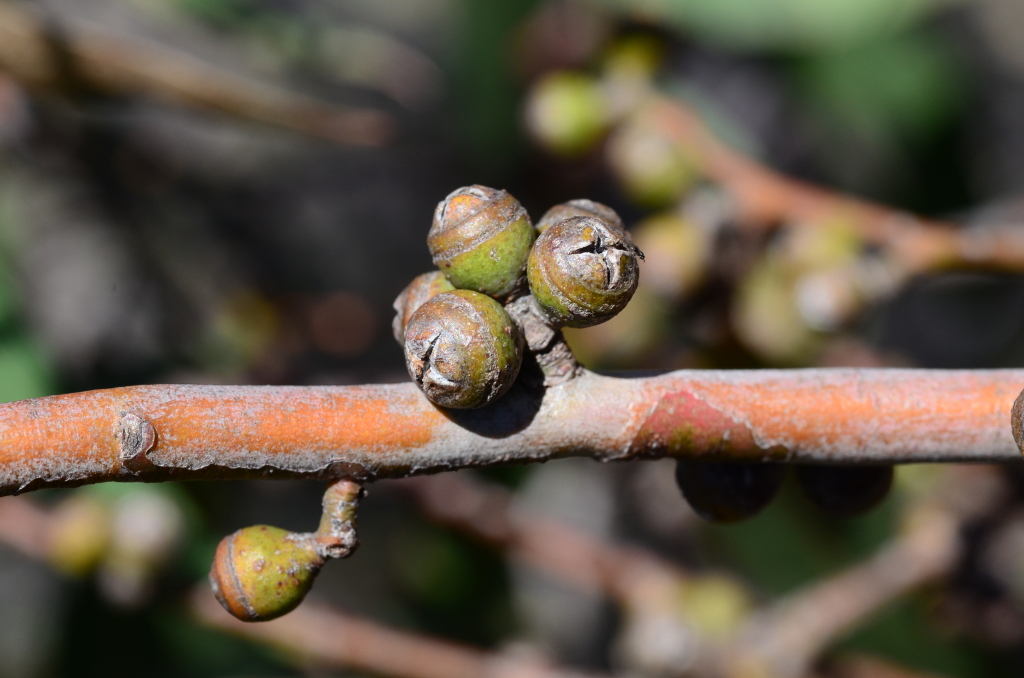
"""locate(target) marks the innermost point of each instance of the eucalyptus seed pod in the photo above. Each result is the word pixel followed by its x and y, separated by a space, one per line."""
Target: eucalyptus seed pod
pixel 260 573
pixel 845 491
pixel 422 288
pixel 579 208
pixel 480 240
pixel 583 271
pixel 568 113
pixel 463 349
pixel 727 492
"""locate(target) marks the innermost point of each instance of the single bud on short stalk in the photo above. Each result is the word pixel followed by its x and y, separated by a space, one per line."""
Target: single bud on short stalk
pixel 727 492
pixel 260 573
pixel 463 349
pixel 579 208
pixel 480 240
pixel 422 288
pixel 845 491
pixel 583 271
pixel 568 113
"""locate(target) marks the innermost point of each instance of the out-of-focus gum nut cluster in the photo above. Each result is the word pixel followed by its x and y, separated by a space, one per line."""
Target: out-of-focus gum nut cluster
pixel 146 529
pixel 568 113
pixel 805 284
pixel 80 534
pixel 651 169
pixel 261 572
pixel 582 271
pixel 579 208
pixel 845 491
pixel 480 239
pixel 125 534
pixel 463 349
pixel 727 492
pixel 678 252
pixel 422 288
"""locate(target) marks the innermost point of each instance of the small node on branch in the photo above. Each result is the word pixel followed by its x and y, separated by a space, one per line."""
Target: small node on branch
pixel 260 573
pixel 136 436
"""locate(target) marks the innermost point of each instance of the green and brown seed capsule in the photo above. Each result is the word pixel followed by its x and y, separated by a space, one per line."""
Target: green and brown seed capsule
pixel 261 572
pixel 422 288
pixel 579 208
pixel 583 271
pixel 480 240
pixel 463 349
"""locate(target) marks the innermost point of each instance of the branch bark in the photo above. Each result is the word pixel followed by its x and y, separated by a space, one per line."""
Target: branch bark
pixel 173 432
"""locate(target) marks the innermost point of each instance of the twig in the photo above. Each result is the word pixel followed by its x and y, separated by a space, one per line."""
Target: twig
pixel 784 639
pixel 765 198
pixel 172 432
pixel 43 54
pixel 328 637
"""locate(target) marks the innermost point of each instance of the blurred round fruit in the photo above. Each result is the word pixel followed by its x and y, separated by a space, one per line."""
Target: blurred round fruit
pixel 727 492
pixel 845 491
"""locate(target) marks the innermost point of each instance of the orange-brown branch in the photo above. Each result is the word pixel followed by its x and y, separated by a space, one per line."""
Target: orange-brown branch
pixel 155 433
pixel 765 197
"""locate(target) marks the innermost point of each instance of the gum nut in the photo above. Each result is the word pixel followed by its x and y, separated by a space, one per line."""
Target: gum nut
pixel 260 573
pixel 582 272
pixel 480 239
pixel 579 208
pixel 422 288
pixel 845 491
pixel 652 170
pixel 727 492
pixel 463 349
pixel 567 113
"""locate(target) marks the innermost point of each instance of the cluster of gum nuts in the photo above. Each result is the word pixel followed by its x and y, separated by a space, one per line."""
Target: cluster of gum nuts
pixel 466 326
pixel 504 287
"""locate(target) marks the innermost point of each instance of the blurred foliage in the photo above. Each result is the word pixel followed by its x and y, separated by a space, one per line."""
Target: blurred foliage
pixel 793 25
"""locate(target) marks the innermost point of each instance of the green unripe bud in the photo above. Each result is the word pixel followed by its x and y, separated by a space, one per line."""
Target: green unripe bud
pixel 845 491
pixel 583 271
pixel 579 208
pixel 568 113
pixel 727 492
pixel 260 573
pixel 422 288
pixel 480 240
pixel 463 349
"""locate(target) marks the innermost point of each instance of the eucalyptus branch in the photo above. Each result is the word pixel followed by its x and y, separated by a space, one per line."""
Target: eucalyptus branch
pixel 765 198
pixel 172 432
